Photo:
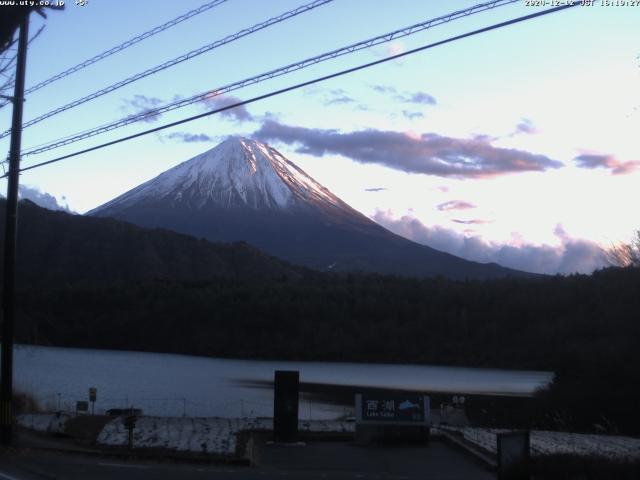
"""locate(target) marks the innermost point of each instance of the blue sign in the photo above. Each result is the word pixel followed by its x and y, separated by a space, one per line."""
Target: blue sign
pixel 393 408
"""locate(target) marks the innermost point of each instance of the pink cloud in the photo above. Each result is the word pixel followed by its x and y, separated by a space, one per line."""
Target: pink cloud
pixel 455 205
pixel 616 166
pixel 572 255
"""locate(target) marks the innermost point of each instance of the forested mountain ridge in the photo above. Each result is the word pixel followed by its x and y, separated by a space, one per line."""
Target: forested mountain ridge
pixel 58 248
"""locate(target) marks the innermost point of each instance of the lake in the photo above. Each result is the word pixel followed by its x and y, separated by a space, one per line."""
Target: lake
pixel 173 385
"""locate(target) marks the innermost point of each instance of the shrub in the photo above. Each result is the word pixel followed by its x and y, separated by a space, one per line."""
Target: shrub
pixel 24 403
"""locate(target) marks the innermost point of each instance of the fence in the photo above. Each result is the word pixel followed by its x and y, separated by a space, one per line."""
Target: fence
pixel 185 407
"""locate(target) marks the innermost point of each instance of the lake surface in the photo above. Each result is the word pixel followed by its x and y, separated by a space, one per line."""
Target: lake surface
pixel 173 385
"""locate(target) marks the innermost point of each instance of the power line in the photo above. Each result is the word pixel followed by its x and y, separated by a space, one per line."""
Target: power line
pixel 306 84
pixel 124 45
pixel 6 63
pixel 175 61
pixel 384 38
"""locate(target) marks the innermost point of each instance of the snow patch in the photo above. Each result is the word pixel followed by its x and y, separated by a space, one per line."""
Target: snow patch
pixel 44 422
pixel 200 435
pixel 547 443
pixel 207 435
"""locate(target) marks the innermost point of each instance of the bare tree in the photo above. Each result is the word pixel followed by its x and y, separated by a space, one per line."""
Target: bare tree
pixel 7 67
pixel 626 254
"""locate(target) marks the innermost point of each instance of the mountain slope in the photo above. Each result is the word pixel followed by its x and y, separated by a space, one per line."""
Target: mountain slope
pixel 245 190
pixel 57 248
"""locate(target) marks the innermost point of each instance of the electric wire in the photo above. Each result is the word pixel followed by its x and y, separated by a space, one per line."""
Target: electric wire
pixel 384 38
pixel 5 64
pixel 304 84
pixel 124 45
pixel 170 63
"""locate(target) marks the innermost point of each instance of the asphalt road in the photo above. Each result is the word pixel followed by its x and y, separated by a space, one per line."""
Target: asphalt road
pixel 317 460
pixel 346 460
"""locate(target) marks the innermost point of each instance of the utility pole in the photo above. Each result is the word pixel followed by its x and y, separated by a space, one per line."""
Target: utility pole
pixel 10 237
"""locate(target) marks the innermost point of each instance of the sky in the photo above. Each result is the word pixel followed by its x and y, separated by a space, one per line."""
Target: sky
pixel 517 146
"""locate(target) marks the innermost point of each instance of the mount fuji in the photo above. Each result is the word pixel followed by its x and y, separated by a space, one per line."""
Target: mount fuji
pixel 244 190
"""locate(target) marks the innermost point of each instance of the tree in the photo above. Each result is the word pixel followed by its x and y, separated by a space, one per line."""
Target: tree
pixel 626 254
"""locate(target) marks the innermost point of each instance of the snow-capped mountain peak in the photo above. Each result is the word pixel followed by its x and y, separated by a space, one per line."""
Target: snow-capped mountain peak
pixel 239 172
pixel 244 190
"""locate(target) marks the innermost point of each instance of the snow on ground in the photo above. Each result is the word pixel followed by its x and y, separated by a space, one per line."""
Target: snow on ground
pixel 200 435
pixel 184 434
pixel 216 435
pixel 546 443
pixel 213 435
pixel 44 422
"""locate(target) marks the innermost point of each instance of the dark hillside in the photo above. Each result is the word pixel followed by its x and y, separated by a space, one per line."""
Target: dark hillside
pixel 57 248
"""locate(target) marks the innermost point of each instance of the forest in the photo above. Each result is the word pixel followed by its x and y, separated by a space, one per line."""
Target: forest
pixel 583 327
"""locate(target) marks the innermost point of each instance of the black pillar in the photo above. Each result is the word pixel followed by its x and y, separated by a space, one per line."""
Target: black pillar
pixel 285 406
pixel 10 236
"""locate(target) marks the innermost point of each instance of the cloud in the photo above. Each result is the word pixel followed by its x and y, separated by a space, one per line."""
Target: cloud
pixel 375 189
pixel 474 221
pixel 43 199
pixel 572 255
pixel 215 100
pixel 337 96
pixel 485 138
pixel 412 115
pixel 339 100
pixel 428 153
pixel 610 162
pixel 419 98
pixel 455 205
pixel 525 126
pixel 142 104
pixel 189 137
pixel 383 88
